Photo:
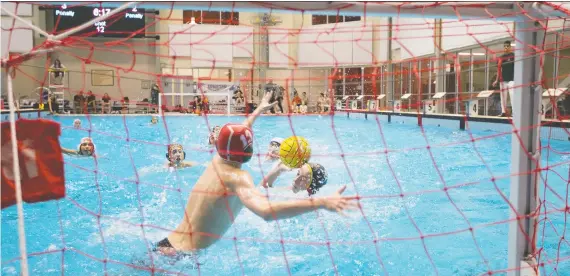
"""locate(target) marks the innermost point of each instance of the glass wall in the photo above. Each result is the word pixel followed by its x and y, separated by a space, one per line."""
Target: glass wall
pixel 427 78
pixel 480 80
pixel 415 85
pixel 370 82
pixel 319 84
pixel 396 81
pixel 563 71
pixel 466 73
pixel 336 75
pixel 470 71
pixel 450 83
pixel 353 82
pixel 301 82
pixel 384 86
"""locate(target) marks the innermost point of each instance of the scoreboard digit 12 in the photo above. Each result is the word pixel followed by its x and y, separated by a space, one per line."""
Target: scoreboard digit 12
pixel 129 22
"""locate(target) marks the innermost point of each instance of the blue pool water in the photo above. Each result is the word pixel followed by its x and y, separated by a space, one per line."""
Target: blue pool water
pixel 54 225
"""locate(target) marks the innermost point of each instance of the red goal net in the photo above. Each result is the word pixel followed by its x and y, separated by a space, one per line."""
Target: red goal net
pixel 448 123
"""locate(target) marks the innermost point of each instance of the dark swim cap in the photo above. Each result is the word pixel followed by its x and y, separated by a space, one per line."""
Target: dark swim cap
pixel 319 178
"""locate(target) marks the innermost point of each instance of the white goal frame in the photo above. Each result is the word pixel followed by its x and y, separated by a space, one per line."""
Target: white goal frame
pixel 525 98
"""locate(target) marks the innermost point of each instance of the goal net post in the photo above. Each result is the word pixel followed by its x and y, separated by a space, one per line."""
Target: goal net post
pixel 179 95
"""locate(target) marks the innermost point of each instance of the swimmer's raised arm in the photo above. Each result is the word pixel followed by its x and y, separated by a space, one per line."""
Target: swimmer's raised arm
pixel 263 107
pixel 276 210
pixel 275 172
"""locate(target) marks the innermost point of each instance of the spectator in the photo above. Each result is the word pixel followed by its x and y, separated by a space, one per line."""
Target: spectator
pixel 506 76
pixel 154 93
pixel 91 102
pixel 52 103
pixel 57 72
pixel 205 104
pixel 322 103
pixel 296 102
pixel 106 104
pixel 304 102
pixel 78 102
pixel 238 98
pixel 45 95
pixel 125 103
pixel 277 94
pixel 196 105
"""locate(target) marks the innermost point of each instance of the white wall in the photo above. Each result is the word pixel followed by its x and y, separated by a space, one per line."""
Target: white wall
pixel 557 24
pixel 380 39
pixel 413 36
pixel 210 46
pixel 334 45
pixel 30 74
pixel 131 67
pixel 279 48
pixel 457 34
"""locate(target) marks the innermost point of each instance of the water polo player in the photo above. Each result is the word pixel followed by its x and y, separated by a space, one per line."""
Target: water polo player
pixel 310 177
pixel 224 189
pixel 214 135
pixel 176 155
pixel 85 148
pixel 273 149
pixel 77 123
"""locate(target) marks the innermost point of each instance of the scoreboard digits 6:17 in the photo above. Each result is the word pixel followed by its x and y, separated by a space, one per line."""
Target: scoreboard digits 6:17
pixel 127 23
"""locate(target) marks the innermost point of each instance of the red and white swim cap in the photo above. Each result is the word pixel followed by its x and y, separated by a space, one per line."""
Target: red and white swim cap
pixel 235 143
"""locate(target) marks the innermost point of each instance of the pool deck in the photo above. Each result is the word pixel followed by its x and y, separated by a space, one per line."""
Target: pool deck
pixel 553 129
pixel 488 119
pixel 549 129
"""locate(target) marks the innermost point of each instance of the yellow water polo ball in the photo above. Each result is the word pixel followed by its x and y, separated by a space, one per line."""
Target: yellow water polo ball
pixel 295 151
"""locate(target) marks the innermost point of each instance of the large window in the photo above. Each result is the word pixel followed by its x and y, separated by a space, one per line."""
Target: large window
pixel 549 61
pixel 415 84
pixel 563 70
pixel 337 81
pixel 405 82
pixel 384 86
pixel 480 77
pixel 564 59
pixel 427 76
pixel 211 17
pixel 353 81
pixel 319 19
pixel 371 82
pixel 397 81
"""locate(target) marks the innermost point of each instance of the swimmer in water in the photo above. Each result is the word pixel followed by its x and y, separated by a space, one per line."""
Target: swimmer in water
pixel 153 120
pixel 273 149
pixel 310 177
pixel 85 148
pixel 224 189
pixel 214 135
pixel 176 156
pixel 77 123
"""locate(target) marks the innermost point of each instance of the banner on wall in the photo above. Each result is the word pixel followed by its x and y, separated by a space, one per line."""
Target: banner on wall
pixel 217 87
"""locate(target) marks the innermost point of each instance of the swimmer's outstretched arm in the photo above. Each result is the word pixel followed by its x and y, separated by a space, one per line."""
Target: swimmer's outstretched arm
pixel 188 164
pixel 263 106
pixel 275 172
pixel 69 152
pixel 183 164
pixel 261 206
